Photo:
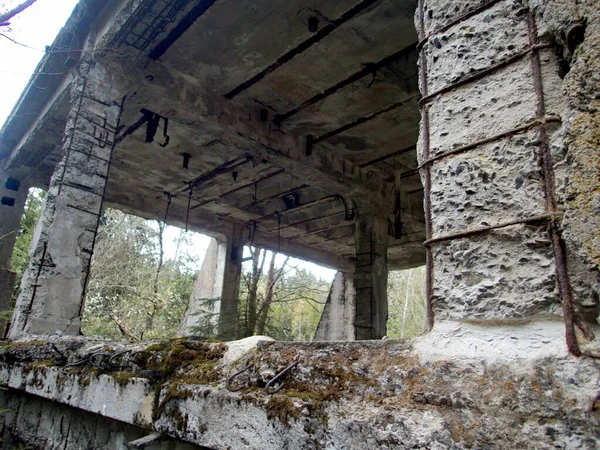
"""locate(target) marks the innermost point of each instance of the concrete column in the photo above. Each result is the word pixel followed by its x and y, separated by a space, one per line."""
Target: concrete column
pixel 53 286
pixel 337 320
pixel 486 140
pixel 232 272
pixel 370 276
pixel 13 195
pixel 213 307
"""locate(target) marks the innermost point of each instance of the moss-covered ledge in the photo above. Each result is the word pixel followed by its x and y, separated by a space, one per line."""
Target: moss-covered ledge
pixel 461 386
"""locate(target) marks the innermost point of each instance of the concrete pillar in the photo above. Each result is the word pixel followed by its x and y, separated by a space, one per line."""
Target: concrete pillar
pixel 337 320
pixel 490 118
pixel 370 276
pixel 53 286
pixel 213 307
pixel 13 195
pixel 232 272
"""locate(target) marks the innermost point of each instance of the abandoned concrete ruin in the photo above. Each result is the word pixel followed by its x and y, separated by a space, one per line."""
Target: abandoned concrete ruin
pixel 366 136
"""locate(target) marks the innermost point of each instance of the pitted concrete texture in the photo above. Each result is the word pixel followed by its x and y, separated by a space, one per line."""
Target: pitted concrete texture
pixel 53 284
pixel 508 272
pixel 337 319
pixel 37 423
pixel 205 301
pixel 576 27
pixel 464 385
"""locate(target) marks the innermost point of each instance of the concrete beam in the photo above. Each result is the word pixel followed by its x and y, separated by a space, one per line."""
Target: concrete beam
pixel 184 100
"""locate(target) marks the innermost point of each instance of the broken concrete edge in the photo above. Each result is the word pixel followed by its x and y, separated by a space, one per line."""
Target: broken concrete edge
pixel 508 372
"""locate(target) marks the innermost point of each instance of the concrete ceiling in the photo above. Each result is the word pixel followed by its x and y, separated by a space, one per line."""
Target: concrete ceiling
pixel 341 74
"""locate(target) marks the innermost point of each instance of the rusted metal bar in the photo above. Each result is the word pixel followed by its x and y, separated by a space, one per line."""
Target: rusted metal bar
pixel 389 155
pixel 102 199
pixel 226 167
pixel 237 189
pixel 312 219
pixel 483 72
pixel 424 38
pixel 72 136
pixel 538 122
pixel 426 171
pixel 546 166
pixel 367 70
pixel 321 230
pixel 278 195
pixel 472 232
pixel 328 198
pixel 364 119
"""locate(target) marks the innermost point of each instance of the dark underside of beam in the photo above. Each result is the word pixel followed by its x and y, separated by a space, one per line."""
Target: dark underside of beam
pixel 181 28
pixel 368 70
pixel 322 33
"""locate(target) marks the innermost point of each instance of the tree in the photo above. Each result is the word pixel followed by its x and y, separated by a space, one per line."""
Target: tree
pixel 407 307
pixel 7 16
pixel 31 214
pixel 134 293
pixel 285 303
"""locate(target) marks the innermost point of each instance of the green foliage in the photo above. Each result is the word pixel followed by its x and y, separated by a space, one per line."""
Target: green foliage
pixel 20 256
pixel 294 306
pixel 133 293
pixel 407 308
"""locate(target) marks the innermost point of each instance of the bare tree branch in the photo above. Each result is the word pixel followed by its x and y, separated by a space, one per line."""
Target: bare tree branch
pixel 4 18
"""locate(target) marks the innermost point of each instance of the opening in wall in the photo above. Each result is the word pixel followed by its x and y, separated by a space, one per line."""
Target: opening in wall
pixel 407 304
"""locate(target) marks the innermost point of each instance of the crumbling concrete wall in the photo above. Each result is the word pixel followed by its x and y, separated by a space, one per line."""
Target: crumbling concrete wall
pixel 337 319
pixel 461 386
pixel 575 27
pixel 508 150
pixel 37 423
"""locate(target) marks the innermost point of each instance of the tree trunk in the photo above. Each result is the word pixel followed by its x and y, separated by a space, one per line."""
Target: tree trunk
pixel 272 279
pixel 252 303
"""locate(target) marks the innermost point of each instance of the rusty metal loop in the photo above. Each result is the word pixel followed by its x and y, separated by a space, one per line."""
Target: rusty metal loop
pixel 235 375
pixel 269 387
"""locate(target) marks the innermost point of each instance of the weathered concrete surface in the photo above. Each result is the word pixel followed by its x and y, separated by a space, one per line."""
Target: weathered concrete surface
pixel 13 195
pixel 213 305
pixel 509 272
pixel 577 154
pixel 337 319
pixel 205 301
pixel 37 423
pixel 370 276
pixel 460 386
pixel 54 283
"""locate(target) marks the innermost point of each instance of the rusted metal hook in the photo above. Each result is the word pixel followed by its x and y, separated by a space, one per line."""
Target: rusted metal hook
pixel 269 387
pixel 230 379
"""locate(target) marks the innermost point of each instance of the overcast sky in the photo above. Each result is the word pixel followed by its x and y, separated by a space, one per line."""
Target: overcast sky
pixel 33 30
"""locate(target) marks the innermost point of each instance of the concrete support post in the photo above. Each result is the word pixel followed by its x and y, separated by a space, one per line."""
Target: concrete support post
pixel 213 307
pixel 232 272
pixel 370 277
pixel 13 195
pixel 53 286
pixel 490 118
pixel 337 320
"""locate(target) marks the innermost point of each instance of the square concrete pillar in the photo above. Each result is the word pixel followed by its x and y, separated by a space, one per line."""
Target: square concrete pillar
pixel 337 320
pixel 490 130
pixel 13 196
pixel 213 307
pixel 370 276
pixel 53 286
